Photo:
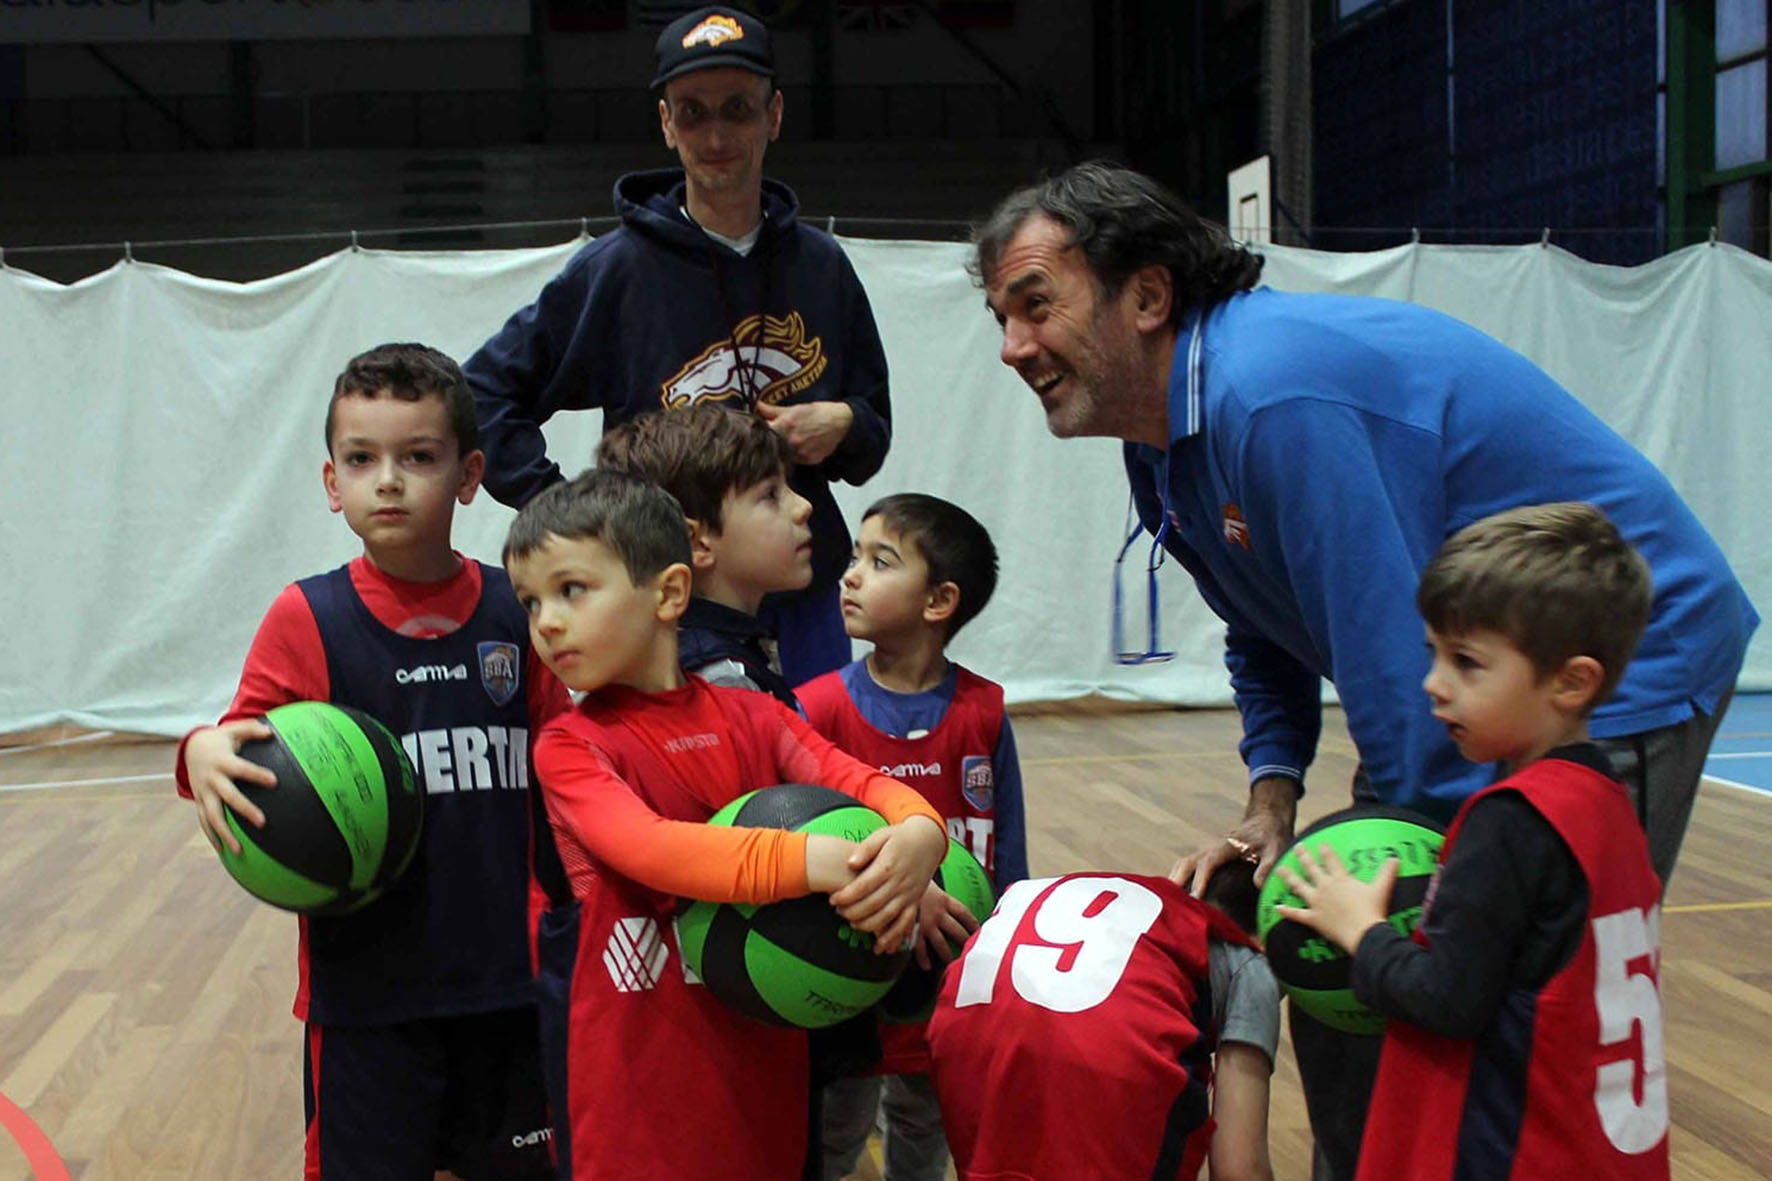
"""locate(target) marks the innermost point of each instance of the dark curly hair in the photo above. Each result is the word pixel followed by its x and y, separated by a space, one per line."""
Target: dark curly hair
pixel 1124 221
pixel 409 372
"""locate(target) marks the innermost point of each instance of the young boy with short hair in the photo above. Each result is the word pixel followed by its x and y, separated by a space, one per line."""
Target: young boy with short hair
pixel 421 1049
pixel 749 533
pixel 1109 1025
pixel 1525 1035
pixel 651 1076
pixel 922 569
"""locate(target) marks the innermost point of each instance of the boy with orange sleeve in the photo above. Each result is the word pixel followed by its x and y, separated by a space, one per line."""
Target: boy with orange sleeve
pixel 651 1077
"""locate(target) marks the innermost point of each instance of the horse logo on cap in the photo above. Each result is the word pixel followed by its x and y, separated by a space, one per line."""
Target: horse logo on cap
pixel 713 32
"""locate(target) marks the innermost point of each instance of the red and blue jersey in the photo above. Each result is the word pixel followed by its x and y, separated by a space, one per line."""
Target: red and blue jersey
pixel 1567 1080
pixel 962 760
pixel 952 743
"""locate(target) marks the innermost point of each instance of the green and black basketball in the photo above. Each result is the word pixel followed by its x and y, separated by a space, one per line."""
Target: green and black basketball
pixel 1315 972
pixel 912 999
pixel 344 819
pixel 794 962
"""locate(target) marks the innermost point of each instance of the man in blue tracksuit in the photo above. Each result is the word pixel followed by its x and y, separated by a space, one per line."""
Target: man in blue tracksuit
pixel 711 289
pixel 1303 456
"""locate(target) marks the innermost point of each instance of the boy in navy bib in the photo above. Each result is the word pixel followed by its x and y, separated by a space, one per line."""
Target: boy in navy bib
pixel 421 1050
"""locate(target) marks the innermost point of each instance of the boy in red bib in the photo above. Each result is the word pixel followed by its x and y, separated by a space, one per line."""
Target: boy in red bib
pixel 1525 1037
pixel 651 1077
pixel 1109 1025
pixel 922 568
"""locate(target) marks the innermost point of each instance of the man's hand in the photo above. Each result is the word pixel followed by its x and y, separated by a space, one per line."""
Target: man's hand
pixel 813 429
pixel 1263 837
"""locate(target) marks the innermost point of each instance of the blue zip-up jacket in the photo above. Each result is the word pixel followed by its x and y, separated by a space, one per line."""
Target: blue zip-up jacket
pixel 656 313
pixel 1322 447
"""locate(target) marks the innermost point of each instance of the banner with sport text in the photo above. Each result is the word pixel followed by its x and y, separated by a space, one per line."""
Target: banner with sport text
pixel 161 459
pixel 31 22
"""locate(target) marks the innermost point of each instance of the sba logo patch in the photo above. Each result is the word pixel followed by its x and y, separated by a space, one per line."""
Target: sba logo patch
pixel 498 670
pixel 977 781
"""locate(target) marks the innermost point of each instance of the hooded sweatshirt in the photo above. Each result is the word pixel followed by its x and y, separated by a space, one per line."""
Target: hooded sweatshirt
pixel 658 314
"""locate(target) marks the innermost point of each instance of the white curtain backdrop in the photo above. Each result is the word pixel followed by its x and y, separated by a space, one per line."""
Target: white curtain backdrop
pixel 162 448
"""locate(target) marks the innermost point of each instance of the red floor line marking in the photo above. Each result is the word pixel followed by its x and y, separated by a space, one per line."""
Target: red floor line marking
pixel 40 1154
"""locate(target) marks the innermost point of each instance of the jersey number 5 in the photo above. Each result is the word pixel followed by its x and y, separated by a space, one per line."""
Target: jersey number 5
pixel 1088 928
pixel 1628 1000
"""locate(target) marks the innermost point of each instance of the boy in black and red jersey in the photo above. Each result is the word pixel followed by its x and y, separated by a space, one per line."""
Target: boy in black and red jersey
pixel 421 1037
pixel 922 569
pixel 1525 1035
pixel 651 1076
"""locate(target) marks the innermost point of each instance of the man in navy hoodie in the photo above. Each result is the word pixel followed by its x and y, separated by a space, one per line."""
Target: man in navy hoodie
pixel 710 289
pixel 1303 457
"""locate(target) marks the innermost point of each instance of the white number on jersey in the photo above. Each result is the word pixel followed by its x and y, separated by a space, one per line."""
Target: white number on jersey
pixel 1095 923
pixel 1627 1000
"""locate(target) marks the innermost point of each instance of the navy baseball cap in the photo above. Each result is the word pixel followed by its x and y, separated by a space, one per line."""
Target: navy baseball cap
pixel 710 37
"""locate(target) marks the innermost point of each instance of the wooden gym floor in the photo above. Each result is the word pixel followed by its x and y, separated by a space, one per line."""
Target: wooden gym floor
pixel 144 1000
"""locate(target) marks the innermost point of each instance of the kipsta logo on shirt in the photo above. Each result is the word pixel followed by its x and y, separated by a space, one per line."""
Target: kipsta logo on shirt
pixel 713 32
pixel 768 359
pixel 635 954
pixel 498 670
pixel 1236 529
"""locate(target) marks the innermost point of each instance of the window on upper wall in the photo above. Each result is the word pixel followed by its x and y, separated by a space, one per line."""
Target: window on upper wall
pixel 1741 115
pixel 1347 8
pixel 1742 119
pixel 1741 28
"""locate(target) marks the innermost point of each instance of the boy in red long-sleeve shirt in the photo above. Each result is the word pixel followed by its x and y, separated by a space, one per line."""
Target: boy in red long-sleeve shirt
pixel 650 1076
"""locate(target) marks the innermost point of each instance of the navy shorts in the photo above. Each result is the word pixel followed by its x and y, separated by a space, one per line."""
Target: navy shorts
pixel 399 1102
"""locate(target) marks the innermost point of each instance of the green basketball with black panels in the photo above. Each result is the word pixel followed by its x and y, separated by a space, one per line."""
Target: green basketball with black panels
pixel 912 999
pixel 344 820
pixel 793 962
pixel 1314 972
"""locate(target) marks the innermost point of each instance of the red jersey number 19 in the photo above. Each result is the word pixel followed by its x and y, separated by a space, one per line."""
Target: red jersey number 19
pixel 1066 944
